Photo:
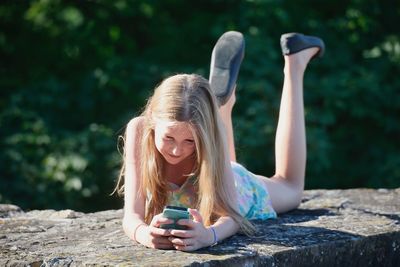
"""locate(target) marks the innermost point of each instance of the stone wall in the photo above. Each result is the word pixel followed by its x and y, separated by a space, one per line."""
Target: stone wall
pixel 359 227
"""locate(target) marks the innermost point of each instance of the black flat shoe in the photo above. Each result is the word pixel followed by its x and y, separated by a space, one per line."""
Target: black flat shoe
pixel 292 43
pixel 226 58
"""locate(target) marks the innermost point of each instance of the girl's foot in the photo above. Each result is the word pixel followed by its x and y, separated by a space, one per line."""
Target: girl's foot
pixel 300 60
pixel 226 58
pixel 298 49
pixel 292 43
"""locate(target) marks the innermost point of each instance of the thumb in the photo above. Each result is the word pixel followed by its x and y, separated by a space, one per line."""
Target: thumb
pixel 196 215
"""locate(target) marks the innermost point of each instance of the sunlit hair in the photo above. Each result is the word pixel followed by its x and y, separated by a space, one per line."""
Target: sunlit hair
pixel 187 98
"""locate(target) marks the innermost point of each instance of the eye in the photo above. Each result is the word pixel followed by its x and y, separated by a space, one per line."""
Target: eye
pixel 189 141
pixel 168 138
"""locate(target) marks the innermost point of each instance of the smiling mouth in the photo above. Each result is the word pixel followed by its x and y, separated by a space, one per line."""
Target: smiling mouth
pixel 175 157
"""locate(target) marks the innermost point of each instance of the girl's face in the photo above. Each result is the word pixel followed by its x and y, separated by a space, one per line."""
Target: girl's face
pixel 174 140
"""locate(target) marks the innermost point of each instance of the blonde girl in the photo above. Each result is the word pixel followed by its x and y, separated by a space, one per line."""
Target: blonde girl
pixel 180 152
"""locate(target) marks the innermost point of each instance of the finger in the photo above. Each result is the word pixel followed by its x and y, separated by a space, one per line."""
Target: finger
pixel 187 222
pixel 182 233
pixel 184 248
pixel 196 215
pixel 154 231
pixel 159 219
pixel 162 241
pixel 181 241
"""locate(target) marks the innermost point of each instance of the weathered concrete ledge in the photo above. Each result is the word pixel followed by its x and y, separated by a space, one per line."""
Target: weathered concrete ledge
pixel 359 227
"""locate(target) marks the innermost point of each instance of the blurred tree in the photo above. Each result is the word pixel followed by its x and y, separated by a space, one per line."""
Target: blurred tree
pixel 73 73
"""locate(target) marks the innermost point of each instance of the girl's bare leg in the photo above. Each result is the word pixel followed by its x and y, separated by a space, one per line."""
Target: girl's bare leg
pixel 286 186
pixel 225 112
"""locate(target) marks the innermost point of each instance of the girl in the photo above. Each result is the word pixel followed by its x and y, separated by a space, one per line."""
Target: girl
pixel 180 152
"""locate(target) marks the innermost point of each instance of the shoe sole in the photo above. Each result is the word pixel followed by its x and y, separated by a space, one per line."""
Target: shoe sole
pixel 226 58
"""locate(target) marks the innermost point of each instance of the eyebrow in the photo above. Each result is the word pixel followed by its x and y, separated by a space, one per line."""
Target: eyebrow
pixel 187 139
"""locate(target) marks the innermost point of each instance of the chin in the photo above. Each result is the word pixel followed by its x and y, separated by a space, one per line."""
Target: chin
pixel 173 161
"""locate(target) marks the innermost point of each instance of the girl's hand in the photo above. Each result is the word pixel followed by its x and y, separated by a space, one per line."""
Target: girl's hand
pixel 198 236
pixel 154 237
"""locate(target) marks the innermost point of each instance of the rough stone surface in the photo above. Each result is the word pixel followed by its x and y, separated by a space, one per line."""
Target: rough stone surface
pixel 358 227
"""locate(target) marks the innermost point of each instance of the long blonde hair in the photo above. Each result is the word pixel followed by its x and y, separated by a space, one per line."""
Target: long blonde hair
pixel 188 98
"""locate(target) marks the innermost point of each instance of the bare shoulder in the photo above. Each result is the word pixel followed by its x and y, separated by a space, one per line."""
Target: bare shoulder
pixel 136 123
pixel 133 139
pixel 134 130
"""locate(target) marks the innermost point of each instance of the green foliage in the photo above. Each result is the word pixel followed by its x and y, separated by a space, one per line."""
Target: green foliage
pixel 72 74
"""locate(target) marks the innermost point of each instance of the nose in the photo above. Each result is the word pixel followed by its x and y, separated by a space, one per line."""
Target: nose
pixel 176 150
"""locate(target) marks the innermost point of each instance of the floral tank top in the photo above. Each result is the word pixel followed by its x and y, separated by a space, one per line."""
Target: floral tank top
pixel 254 201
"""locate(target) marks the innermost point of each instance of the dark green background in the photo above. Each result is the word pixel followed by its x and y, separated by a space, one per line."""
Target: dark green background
pixel 74 72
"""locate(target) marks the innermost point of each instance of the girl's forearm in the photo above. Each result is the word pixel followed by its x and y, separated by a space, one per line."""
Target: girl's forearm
pixel 224 227
pixel 131 225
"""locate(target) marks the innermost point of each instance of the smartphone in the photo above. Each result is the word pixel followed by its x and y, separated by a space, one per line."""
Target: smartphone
pixel 175 213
